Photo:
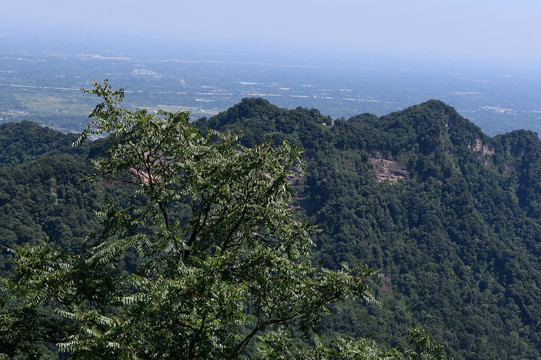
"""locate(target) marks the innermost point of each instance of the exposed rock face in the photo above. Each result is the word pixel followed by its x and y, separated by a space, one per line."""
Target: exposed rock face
pixel 388 169
pixel 479 146
pixel 386 286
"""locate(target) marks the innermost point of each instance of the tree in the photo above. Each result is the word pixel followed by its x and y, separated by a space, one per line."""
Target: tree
pixel 424 348
pixel 221 257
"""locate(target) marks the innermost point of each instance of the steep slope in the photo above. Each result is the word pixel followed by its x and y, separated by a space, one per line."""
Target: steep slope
pixel 42 196
pixel 449 215
pixel 40 190
pixel 26 140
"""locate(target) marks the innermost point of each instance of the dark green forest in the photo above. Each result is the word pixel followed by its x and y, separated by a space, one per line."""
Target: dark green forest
pixel 453 224
pixel 449 217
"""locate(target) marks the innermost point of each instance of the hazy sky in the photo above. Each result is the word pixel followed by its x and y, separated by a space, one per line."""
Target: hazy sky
pixel 477 29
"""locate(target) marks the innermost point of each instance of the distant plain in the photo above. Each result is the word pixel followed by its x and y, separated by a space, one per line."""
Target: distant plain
pixel 44 86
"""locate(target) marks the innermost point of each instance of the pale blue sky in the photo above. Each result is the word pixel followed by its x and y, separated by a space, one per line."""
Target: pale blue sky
pixel 477 29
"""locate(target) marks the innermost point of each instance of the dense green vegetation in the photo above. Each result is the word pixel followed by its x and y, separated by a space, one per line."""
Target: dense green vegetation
pixel 40 193
pixel 454 230
pixel 456 241
pixel 221 269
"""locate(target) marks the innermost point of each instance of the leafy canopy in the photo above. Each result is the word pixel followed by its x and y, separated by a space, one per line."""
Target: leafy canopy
pixel 222 262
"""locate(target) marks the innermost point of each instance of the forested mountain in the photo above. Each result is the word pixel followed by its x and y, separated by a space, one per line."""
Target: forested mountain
pixel 449 216
pixel 40 193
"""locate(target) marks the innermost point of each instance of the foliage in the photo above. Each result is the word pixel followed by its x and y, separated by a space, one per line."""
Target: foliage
pixel 423 346
pixel 37 141
pixel 21 331
pixel 220 257
pixel 456 241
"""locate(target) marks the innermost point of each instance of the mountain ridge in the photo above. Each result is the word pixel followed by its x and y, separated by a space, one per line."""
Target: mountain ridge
pixel 456 240
pixel 463 209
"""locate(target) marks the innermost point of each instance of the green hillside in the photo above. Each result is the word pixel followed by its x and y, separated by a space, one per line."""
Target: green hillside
pixel 450 217
pixel 40 193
